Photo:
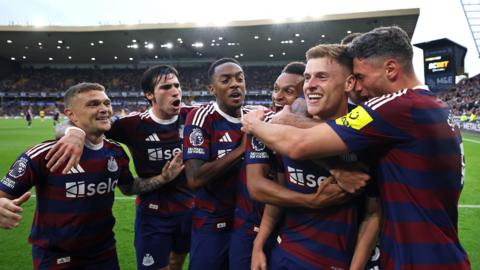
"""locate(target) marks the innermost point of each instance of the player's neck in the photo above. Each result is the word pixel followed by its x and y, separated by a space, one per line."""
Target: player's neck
pixel 94 139
pixel 408 81
pixel 342 109
pixel 233 112
pixel 159 114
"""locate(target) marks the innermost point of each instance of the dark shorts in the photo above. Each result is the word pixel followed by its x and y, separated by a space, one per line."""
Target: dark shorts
pixel 44 259
pixel 241 245
pixel 156 237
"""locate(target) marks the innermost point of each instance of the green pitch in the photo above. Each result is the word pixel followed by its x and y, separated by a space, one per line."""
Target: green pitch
pixel 15 252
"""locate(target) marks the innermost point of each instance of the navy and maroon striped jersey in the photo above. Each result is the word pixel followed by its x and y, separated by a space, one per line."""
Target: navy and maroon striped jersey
pixel 74 211
pixel 419 173
pixel 210 134
pixel 321 238
pixel 249 211
pixel 152 142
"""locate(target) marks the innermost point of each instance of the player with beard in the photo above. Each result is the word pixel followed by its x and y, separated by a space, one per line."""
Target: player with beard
pixel 73 222
pixel 307 237
pixel 411 132
pixel 163 217
pixel 213 149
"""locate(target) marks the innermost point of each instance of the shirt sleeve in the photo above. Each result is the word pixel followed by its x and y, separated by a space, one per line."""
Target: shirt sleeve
pixel 117 132
pixel 126 177
pixel 196 139
pixel 256 152
pixel 363 128
pixel 21 176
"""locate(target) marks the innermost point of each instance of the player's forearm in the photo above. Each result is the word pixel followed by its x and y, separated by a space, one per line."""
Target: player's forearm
pixel 367 236
pixel 296 120
pixel 200 175
pixel 144 185
pixel 271 215
pixel 267 191
pixel 280 138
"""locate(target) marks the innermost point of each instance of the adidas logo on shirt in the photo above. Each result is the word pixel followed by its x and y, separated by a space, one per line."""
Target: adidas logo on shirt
pixel 76 169
pixel 226 138
pixel 152 138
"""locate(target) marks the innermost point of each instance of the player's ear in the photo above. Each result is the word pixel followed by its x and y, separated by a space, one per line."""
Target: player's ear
pixel 70 115
pixel 350 83
pixel 391 67
pixel 212 90
pixel 149 96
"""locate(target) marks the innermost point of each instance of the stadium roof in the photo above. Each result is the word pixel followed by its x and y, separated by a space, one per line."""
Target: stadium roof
pixel 260 41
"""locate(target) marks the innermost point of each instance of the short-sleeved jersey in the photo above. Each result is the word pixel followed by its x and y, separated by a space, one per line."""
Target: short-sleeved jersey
pixel 419 174
pixel 152 142
pixel 249 211
pixel 74 211
pixel 321 238
pixel 209 135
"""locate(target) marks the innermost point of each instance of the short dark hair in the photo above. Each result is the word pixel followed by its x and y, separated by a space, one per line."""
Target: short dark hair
pixel 337 52
pixel 296 68
pixel 384 42
pixel 211 69
pixel 80 88
pixel 349 38
pixel 152 75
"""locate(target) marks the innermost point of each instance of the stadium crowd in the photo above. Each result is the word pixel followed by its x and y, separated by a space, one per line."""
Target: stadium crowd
pixel 57 80
pixel 464 98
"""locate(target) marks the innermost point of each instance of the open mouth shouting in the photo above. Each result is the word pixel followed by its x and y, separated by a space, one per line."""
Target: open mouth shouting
pixel 176 104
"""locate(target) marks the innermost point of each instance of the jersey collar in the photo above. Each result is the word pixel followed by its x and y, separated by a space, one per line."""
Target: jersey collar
pixel 93 146
pixel 229 118
pixel 162 121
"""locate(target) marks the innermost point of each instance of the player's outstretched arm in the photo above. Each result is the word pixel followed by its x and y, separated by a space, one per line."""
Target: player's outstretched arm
pixel 67 150
pixel 271 215
pixel 199 172
pixel 315 142
pixel 10 210
pixel 297 119
pixel 367 234
pixel 170 171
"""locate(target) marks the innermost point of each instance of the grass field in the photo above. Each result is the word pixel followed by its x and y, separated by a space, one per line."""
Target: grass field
pixel 15 252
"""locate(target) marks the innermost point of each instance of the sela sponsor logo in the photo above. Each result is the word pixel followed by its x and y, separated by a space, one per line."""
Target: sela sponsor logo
pixel 155 154
pixel 196 137
pixel 148 260
pixel 19 168
pixel 8 182
pixel 63 260
pixel 356 119
pixel 79 189
pixel 221 225
pixel 297 177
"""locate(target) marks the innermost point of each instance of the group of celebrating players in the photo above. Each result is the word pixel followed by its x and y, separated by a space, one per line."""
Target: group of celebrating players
pixel 354 153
